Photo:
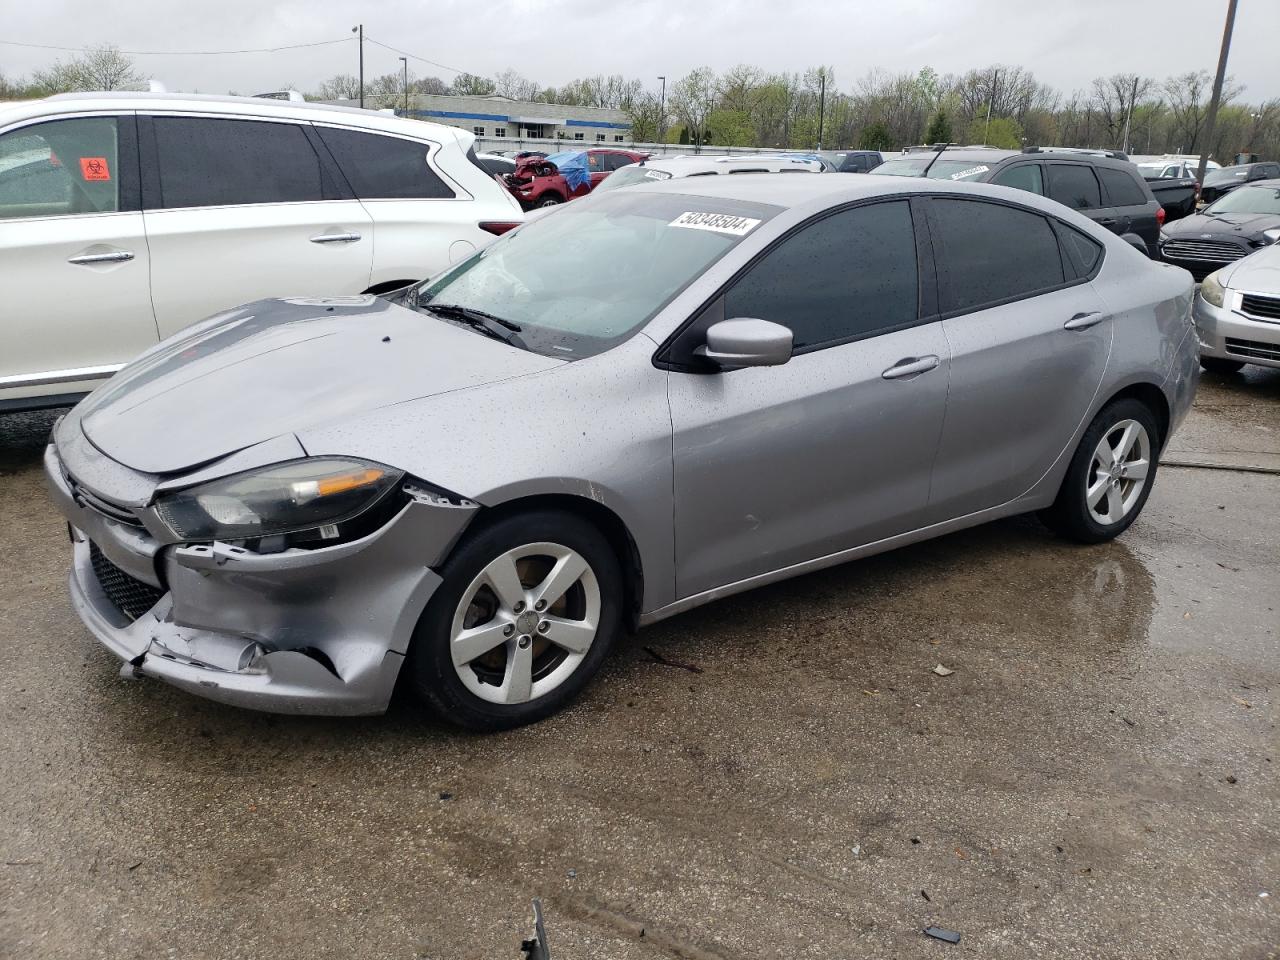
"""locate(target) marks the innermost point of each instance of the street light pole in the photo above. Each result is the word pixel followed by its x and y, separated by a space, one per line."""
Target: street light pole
pixel 1216 98
pixel 822 103
pixel 662 111
pixel 405 61
pixel 986 134
pixel 359 28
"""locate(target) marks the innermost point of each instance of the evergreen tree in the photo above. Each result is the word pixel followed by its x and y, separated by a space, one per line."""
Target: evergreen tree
pixel 939 128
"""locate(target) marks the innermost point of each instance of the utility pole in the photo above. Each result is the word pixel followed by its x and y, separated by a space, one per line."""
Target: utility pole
pixel 662 111
pixel 405 61
pixel 359 28
pixel 822 102
pixel 1129 116
pixel 986 134
pixel 1216 97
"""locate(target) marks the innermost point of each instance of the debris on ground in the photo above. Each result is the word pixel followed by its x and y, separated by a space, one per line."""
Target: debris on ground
pixel 1231 778
pixel 927 898
pixel 446 795
pixel 667 662
pixel 857 850
pixel 941 933
pixel 942 671
pixel 537 948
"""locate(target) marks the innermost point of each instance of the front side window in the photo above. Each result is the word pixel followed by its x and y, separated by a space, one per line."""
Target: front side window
pixel 847 276
pixel 1022 176
pixel 991 253
pixel 586 279
pixel 60 168
pixel 1122 188
pixel 1075 185
pixel 380 167
pixel 206 162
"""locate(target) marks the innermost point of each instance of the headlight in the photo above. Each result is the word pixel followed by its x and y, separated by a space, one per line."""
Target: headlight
pixel 1164 237
pixel 1272 235
pixel 316 494
pixel 1212 290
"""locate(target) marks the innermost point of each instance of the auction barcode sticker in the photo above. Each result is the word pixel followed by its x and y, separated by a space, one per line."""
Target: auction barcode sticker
pixel 716 222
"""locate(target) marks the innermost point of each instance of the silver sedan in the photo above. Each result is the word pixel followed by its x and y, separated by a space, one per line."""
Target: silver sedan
pixel 649 400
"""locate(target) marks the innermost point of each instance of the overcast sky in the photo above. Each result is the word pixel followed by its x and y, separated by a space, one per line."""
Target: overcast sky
pixel 1064 42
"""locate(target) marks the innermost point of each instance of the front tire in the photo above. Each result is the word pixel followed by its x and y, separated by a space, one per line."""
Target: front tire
pixel 527 612
pixel 1221 365
pixel 550 200
pixel 1110 476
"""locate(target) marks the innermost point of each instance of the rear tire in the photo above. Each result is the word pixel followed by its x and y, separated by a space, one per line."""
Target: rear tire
pixel 1221 365
pixel 488 654
pixel 1110 476
pixel 549 201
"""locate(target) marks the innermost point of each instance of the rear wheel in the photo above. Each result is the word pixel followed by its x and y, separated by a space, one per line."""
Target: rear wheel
pixel 550 200
pixel 1221 365
pixel 526 614
pixel 1110 476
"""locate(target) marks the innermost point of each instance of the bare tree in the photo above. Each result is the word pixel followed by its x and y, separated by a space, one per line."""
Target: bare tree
pixel 99 68
pixel 1114 98
pixel 1188 95
pixel 693 97
pixel 470 85
pixel 343 86
pixel 511 84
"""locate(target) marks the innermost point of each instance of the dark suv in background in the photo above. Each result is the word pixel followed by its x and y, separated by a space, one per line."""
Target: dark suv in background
pixel 852 161
pixel 1219 183
pixel 1108 191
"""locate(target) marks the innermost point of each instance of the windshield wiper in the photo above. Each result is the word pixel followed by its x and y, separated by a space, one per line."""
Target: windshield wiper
pixel 494 326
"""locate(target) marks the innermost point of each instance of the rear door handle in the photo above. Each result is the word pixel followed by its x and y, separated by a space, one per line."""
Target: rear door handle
pixel 1083 321
pixel 336 238
pixel 118 256
pixel 910 366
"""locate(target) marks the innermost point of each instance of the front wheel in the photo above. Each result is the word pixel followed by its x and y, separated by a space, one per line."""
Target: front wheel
pixel 549 201
pixel 1221 365
pixel 525 615
pixel 1110 475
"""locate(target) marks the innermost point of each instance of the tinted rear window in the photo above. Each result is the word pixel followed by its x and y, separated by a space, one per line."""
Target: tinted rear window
pixel 1122 187
pixel 992 253
pixel 379 167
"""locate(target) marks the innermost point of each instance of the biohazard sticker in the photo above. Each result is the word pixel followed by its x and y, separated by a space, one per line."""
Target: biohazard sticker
pixel 716 223
pixel 94 168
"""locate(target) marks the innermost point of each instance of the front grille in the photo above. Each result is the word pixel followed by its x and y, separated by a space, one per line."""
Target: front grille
pixel 1253 349
pixel 1206 251
pixel 1264 308
pixel 112 511
pixel 127 593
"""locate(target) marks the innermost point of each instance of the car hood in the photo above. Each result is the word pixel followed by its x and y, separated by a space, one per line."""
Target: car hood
pixel 1245 224
pixel 1257 273
pixel 279 366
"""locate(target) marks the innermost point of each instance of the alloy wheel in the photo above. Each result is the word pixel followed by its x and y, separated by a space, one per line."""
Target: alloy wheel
pixel 525 623
pixel 1118 472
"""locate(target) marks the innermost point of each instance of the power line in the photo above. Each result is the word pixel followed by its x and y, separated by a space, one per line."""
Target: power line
pixel 180 53
pixel 414 56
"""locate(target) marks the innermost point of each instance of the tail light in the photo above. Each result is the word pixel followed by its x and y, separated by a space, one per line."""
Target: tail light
pixel 498 227
pixel 1160 215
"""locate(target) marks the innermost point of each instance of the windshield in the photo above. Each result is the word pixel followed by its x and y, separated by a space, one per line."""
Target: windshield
pixel 904 166
pixel 1225 175
pixel 959 169
pixel 632 173
pixel 1248 200
pixel 585 278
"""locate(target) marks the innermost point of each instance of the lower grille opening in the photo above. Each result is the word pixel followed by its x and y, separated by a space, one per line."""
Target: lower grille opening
pixel 1253 349
pixel 126 592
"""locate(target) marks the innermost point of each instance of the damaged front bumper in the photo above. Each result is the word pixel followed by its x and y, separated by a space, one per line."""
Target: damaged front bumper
pixel 320 631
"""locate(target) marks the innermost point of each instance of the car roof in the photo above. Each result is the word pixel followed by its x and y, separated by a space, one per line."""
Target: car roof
pixel 693 166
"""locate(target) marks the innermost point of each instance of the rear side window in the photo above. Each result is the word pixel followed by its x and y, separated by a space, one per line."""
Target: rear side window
pixel 1086 250
pixel 847 276
pixel 379 167
pixel 1122 188
pixel 992 253
pixel 1075 185
pixel 61 168
pixel 1022 176
pixel 207 162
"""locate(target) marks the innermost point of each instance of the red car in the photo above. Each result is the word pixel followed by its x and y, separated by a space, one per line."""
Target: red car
pixel 546 181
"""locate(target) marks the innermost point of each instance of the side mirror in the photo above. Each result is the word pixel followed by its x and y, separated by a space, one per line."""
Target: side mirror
pixel 747 342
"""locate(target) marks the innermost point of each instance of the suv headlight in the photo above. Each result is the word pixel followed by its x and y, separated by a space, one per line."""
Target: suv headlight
pixel 1272 235
pixel 1212 290
pixel 314 494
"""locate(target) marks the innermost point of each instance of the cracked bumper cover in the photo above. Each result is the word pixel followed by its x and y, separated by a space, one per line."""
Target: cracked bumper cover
pixel 233 623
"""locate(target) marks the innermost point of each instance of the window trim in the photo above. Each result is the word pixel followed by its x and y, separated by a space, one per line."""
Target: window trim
pixel 128 161
pixel 1071 269
pixel 712 308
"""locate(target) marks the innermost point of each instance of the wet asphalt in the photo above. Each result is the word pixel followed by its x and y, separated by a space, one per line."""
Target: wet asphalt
pixel 1097 778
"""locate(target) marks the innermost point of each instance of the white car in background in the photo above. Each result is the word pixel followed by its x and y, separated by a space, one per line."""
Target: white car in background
pixel 666 168
pixel 124 217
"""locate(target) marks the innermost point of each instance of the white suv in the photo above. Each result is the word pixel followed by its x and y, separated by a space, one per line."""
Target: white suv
pixel 125 217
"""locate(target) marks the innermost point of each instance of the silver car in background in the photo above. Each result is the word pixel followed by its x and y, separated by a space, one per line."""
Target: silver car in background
pixel 1237 314
pixel 653 399
pixel 668 168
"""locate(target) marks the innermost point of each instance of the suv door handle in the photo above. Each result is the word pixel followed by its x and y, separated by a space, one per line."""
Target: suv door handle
pixel 1107 222
pixel 1083 321
pixel 910 366
pixel 119 256
pixel 336 238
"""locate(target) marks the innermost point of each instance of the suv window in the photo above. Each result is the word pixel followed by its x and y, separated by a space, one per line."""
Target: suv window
pixel 1022 176
pixel 845 277
pixel 209 162
pixel 1122 188
pixel 60 168
pixel 991 253
pixel 1075 185
pixel 381 167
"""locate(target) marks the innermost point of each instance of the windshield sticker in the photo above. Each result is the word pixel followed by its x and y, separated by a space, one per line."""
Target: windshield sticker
pixel 716 223
pixel 94 168
pixel 971 172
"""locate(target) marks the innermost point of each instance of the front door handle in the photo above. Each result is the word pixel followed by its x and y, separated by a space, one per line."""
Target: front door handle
pixel 1083 321
pixel 119 256
pixel 910 366
pixel 336 238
